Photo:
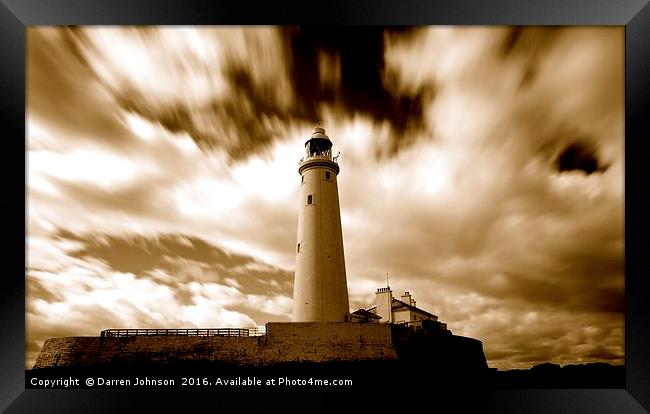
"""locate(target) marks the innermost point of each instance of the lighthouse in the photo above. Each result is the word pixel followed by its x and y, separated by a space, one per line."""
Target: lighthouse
pixel 320 291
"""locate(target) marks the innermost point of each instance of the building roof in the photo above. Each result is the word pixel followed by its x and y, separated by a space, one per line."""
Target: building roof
pixel 365 313
pixel 396 304
pixel 411 307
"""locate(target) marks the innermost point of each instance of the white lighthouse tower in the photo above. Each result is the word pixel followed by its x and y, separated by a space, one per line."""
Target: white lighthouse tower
pixel 320 291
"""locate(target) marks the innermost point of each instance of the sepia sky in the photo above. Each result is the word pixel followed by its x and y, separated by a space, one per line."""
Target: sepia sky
pixel 482 168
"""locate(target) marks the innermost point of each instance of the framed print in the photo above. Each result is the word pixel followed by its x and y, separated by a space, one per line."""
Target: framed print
pixel 371 198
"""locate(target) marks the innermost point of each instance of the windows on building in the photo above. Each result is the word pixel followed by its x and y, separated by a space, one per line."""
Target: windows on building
pixel 310 199
pixel 298 248
pixel 327 175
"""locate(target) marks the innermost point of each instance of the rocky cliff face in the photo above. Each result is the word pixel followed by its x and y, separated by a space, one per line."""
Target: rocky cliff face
pixel 438 349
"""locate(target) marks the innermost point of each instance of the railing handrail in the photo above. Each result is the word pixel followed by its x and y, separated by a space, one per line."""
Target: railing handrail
pixel 253 331
pixel 321 155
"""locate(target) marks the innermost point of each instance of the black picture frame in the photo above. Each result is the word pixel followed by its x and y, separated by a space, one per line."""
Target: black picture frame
pixel 16 15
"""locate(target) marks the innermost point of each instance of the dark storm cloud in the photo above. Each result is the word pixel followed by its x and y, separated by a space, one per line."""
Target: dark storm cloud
pixel 579 156
pixel 250 117
pixel 139 254
pixel 232 125
pixel 243 123
pixel 564 147
pixel 361 87
pixel 185 258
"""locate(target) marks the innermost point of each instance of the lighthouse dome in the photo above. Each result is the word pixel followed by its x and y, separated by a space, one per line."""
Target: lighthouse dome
pixel 319 133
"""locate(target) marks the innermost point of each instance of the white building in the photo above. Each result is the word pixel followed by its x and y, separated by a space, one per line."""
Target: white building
pixel 398 311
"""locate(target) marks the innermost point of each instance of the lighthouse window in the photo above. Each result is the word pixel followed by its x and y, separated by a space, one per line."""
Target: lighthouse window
pixel 327 175
pixel 309 199
pixel 302 180
pixel 298 248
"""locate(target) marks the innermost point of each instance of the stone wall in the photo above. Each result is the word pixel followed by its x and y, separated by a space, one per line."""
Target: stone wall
pixel 284 342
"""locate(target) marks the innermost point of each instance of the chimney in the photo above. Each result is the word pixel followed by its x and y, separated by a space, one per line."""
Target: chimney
pixel 406 298
pixel 384 302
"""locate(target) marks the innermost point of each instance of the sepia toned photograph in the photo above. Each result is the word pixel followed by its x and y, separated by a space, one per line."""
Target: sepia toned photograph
pixel 334 200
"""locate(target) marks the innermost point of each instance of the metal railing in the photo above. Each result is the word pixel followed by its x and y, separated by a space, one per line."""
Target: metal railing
pixel 322 154
pixel 119 333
